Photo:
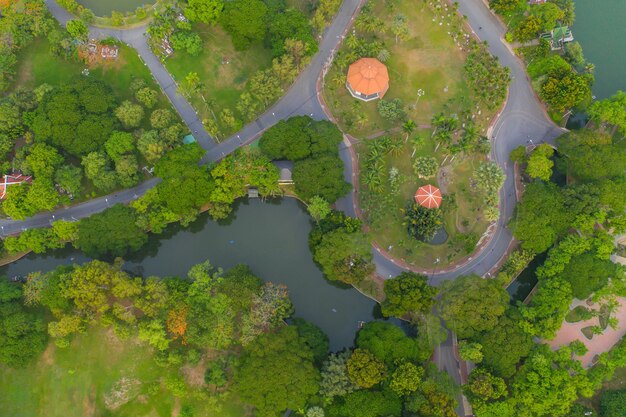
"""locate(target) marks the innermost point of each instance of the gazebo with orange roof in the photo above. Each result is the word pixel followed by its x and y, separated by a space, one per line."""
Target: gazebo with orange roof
pixel 428 196
pixel 367 79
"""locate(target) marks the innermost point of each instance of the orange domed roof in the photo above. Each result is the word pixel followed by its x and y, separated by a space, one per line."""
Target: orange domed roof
pixel 428 196
pixel 368 76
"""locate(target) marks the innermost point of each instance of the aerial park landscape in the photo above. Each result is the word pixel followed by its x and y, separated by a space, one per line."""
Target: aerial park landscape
pixel 322 208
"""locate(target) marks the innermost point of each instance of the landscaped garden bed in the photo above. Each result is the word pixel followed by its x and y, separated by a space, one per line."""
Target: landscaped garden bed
pixel 425 125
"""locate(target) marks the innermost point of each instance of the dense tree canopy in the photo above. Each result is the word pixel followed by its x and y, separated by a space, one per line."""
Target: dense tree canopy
pixel 22 333
pixel 408 292
pixel 276 373
pixel 540 217
pixel 389 343
pixel 344 255
pixel 113 232
pixel 76 117
pixel 471 305
pixel 590 155
pixel 245 21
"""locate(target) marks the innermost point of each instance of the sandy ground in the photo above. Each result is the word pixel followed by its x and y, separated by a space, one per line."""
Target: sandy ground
pixel 599 343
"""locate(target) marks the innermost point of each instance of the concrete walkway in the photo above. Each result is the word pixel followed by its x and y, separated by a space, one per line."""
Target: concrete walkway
pixel 598 344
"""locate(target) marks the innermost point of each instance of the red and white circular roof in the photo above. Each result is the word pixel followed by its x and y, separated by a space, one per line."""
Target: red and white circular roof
pixel 428 196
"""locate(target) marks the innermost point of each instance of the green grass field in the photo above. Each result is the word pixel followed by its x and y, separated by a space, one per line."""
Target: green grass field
pixel 223 82
pixel 37 66
pixel 427 60
pixel 388 230
pixel 76 380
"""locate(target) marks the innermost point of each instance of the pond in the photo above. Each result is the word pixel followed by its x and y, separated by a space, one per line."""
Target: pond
pixel 270 237
pixel 104 8
pixel 600 29
pixel 526 280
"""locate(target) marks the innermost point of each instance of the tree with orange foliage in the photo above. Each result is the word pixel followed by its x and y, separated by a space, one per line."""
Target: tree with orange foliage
pixel 177 323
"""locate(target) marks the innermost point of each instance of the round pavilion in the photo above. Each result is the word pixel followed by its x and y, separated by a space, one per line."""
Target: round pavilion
pixel 367 79
pixel 428 196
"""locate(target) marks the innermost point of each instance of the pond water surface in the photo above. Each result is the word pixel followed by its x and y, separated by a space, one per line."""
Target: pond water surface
pixel 600 28
pixel 272 238
pixel 105 7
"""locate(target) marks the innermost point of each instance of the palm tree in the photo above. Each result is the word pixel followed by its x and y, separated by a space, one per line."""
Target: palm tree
pixel 416 141
pixel 408 127
pixel 438 120
pixel 395 147
pixel 339 79
pixel 352 41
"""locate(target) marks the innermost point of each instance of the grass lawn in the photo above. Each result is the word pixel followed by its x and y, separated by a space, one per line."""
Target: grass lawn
pixel 428 59
pixel 37 66
pixel 384 209
pixel 223 82
pixel 75 381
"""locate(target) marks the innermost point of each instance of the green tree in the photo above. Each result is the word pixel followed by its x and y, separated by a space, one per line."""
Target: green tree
pixel 422 223
pixel 16 205
pixel 127 170
pixel 129 114
pixel 152 146
pixel 69 179
pixel 313 337
pixel 147 96
pixel 469 351
pixel 161 118
pixel 425 166
pixel 344 256
pixel 611 110
pixel 406 378
pixel 587 273
pixel 590 155
pixel 470 305
pixel 22 333
pixel 43 160
pixel 518 154
pixel 485 386
pixel 539 163
pixel 42 195
pixel 564 89
pixel 154 333
pixel 406 293
pixel 118 144
pixel 540 217
pixel 504 346
pixel 113 232
pixel 321 176
pixel 365 369
pixel 489 178
pixel 613 403
pixel 548 14
pixel 207 11
pixel 270 392
pixel 389 343
pixel 549 382
pixel 77 29
pixel 97 170
pixel 335 381
pixel 391 109
pixel 318 208
pixel 364 403
pixel 245 21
